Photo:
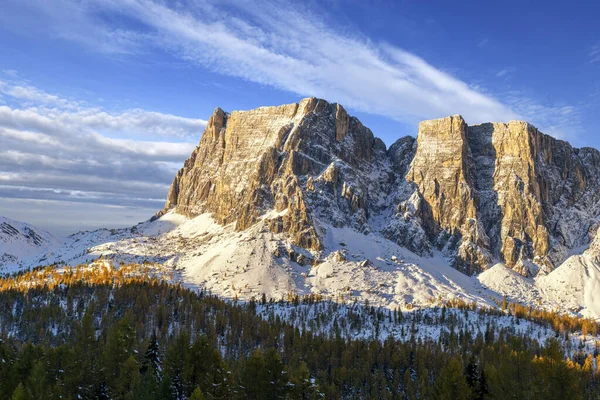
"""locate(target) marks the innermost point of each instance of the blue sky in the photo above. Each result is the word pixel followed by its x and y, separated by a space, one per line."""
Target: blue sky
pixel 101 101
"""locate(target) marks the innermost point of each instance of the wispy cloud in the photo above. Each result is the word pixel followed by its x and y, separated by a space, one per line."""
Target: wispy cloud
pixel 67 112
pixel 36 96
pixel 10 73
pixel 66 149
pixel 483 42
pixel 287 47
pixel 562 121
pixel 595 53
pixel 505 72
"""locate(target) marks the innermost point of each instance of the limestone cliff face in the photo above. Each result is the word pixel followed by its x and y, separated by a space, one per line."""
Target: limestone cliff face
pixel 496 192
pixel 505 192
pixel 268 163
pixel 441 169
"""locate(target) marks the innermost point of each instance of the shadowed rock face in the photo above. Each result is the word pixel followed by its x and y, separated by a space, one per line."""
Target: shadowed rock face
pixel 481 194
pixel 506 192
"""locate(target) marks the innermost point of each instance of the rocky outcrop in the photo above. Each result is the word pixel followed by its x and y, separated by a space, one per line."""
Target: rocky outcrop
pixel 285 165
pixel 481 194
pixel 505 192
pixel 441 170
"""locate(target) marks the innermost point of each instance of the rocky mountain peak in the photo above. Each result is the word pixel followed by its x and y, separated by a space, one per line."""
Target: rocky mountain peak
pixel 271 160
pixel 503 191
pixel 494 192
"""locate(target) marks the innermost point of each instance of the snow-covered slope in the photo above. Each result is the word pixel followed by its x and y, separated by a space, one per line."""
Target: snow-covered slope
pixel 352 265
pixel 22 245
pixel 248 263
pixel 255 261
pixel 572 287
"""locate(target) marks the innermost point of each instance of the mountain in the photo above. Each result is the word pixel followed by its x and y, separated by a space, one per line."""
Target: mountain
pixel 505 192
pixel 288 166
pixel 22 244
pixel 303 198
pixel 481 194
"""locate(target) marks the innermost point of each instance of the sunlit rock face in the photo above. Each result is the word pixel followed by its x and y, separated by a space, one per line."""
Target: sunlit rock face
pixel 496 192
pixel 506 192
pixel 287 165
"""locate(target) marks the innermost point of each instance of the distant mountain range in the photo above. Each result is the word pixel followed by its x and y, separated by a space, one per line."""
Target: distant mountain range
pixel 303 198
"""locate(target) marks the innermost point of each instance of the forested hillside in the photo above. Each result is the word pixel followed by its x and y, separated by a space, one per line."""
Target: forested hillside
pixel 108 333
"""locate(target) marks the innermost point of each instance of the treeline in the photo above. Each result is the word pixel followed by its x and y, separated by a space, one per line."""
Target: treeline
pixel 561 323
pixel 107 334
pixel 101 273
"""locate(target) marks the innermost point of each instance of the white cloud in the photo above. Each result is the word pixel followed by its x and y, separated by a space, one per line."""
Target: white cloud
pixel 59 149
pixel 11 73
pixel 505 72
pixel 287 47
pixel 33 95
pixel 595 53
pixel 560 121
pixel 50 107
pixel 66 149
pixel 31 137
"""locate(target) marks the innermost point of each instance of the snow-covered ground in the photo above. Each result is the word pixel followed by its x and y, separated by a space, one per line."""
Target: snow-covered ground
pixel 572 287
pixel 353 266
pixel 358 322
pixel 22 245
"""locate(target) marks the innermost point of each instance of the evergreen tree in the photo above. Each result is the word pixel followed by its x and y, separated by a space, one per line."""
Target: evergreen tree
pixel 451 383
pixel 253 376
pixel 129 380
pixel 197 395
pixel 481 390
pixel 20 393
pixel 119 347
pixel 152 363
pixel 96 357
pixel 38 380
pixel 262 376
pixel 304 387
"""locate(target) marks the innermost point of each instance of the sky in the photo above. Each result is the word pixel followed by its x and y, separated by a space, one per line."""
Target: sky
pixel 101 101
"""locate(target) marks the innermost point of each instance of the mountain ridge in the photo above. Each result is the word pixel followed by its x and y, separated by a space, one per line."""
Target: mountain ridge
pixel 303 198
pixel 22 244
pixel 500 175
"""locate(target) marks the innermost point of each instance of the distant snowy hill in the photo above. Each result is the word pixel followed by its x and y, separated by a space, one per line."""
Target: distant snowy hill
pixel 22 245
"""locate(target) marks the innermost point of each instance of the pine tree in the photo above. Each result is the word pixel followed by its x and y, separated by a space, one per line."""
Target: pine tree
pixel 197 395
pixel 175 365
pixel 481 389
pixel 451 383
pixel 472 372
pixel 255 379
pixel 129 379
pixel 37 380
pixel 304 387
pixel 20 393
pixel 152 364
pixel 119 347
